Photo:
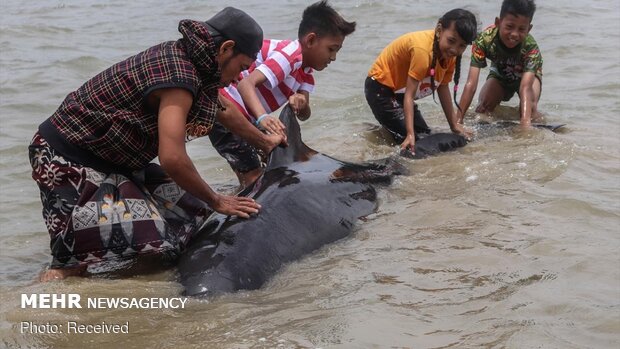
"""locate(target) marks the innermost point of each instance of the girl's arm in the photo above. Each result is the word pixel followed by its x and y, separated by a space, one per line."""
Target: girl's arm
pixel 408 104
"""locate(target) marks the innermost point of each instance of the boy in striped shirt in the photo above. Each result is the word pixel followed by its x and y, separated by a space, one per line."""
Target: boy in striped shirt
pixel 281 73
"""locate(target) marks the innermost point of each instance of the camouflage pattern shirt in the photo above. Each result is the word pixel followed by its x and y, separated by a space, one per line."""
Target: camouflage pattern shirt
pixel 507 63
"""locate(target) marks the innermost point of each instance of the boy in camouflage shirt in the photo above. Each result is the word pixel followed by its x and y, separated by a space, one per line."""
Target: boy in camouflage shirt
pixel 516 63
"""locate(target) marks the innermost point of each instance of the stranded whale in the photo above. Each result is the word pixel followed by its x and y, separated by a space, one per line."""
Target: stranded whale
pixel 308 200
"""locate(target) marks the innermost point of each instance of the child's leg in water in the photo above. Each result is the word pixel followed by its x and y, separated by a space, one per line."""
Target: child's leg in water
pixel 491 95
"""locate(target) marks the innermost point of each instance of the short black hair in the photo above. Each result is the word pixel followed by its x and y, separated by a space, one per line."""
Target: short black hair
pixel 323 20
pixel 524 8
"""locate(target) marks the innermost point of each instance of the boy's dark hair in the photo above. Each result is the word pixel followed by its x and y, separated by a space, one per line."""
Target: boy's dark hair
pixel 466 26
pixel 323 20
pixel 524 8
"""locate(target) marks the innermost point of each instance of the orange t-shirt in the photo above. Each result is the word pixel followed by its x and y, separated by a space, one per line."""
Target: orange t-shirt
pixel 411 55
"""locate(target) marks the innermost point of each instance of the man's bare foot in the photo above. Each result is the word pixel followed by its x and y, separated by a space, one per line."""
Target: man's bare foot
pixel 59 274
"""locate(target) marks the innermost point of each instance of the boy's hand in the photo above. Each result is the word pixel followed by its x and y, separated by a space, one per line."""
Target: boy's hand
pixel 298 102
pixel 273 126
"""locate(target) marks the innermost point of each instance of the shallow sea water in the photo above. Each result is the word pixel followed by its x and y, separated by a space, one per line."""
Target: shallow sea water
pixel 510 242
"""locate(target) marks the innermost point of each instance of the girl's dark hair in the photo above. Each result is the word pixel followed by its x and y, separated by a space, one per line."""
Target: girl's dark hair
pixel 323 20
pixel 525 8
pixel 466 26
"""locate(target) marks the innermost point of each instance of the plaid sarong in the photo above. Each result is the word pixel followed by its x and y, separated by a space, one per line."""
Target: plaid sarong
pixel 96 217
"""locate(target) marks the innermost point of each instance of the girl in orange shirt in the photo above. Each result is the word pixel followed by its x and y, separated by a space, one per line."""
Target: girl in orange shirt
pixel 410 67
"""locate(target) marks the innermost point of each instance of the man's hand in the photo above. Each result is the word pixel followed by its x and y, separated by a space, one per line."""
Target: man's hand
pixel 235 206
pixel 271 141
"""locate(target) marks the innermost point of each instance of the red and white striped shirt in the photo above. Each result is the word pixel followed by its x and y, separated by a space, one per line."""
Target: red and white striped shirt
pixel 280 61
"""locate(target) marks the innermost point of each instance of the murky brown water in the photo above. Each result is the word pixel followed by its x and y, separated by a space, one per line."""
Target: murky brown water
pixel 511 242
